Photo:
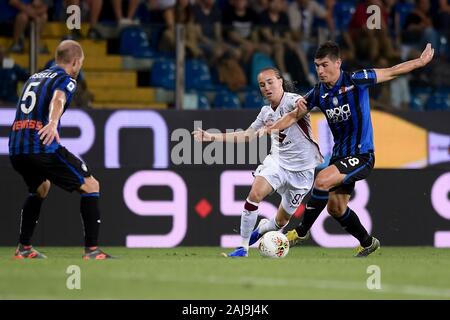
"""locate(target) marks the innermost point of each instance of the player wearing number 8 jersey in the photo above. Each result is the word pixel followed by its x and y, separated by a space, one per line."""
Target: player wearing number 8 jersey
pixel 344 99
pixel 288 169
pixel 36 153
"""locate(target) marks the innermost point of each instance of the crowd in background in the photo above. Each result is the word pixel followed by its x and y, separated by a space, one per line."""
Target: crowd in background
pixel 230 34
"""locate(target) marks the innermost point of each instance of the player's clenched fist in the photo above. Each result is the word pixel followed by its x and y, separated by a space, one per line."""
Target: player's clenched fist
pixel 300 106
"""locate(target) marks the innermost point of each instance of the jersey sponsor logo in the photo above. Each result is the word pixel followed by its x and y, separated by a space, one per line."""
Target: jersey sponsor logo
pixel 27 124
pixel 339 114
pixel 346 89
pixel 341 91
pixel 366 76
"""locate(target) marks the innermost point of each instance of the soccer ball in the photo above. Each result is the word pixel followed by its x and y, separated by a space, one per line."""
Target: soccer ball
pixel 274 244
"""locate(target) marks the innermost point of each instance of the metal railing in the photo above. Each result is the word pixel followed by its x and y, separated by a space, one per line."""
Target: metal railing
pixel 34 45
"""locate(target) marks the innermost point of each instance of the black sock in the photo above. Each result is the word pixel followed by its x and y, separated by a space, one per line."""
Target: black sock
pixel 350 222
pixel 91 218
pixel 30 216
pixel 314 207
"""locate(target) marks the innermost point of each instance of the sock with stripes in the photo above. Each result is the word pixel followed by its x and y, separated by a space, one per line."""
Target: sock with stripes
pixel 351 223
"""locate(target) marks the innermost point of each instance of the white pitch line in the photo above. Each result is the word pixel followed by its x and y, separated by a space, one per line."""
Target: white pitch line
pixel 318 284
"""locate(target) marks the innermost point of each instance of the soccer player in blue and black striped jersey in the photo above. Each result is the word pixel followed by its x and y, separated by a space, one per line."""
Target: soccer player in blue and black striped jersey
pixel 344 99
pixel 36 153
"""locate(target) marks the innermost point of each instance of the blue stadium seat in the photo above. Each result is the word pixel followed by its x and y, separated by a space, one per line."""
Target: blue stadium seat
pixel 343 13
pixel 163 74
pixel 416 104
pixel 438 101
pixel 134 42
pixel 259 62
pixel 226 99
pixel 253 99
pixel 203 102
pixel 198 75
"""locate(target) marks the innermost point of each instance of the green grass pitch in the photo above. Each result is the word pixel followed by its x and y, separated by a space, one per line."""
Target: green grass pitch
pixel 201 273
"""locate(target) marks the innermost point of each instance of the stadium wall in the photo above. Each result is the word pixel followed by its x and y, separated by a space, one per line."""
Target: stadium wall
pixel 148 200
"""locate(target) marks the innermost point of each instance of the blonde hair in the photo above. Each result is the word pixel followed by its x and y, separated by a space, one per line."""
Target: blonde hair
pixel 68 50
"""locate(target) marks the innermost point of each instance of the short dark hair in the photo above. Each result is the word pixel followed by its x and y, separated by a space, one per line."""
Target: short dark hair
pixel 328 49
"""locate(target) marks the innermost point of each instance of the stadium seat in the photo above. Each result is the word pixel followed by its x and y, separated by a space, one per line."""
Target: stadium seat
pixel 163 74
pixel 343 13
pixel 438 101
pixel 253 99
pixel 197 75
pixel 203 102
pixel 416 103
pixel 226 99
pixel 259 62
pixel 134 42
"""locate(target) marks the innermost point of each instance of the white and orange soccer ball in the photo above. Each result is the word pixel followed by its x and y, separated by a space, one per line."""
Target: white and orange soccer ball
pixel 274 244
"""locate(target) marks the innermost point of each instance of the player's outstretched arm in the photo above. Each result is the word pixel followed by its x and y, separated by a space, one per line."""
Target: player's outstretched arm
pixel 289 118
pixel 388 74
pixel 233 137
pixel 50 131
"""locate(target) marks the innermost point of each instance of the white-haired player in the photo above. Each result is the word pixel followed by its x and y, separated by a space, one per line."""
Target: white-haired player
pixel 288 169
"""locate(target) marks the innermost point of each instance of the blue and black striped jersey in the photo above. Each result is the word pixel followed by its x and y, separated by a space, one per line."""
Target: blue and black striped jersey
pixel 33 110
pixel 347 109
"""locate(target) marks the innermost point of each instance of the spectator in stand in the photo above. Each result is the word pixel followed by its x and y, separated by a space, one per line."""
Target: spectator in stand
pixel 372 44
pixel 207 19
pixel 301 18
pixel 275 32
pixel 419 28
pixel 183 15
pixel 239 22
pixel 443 21
pixel 162 12
pixel 10 75
pixel 95 8
pixel 123 20
pixel 28 10
pixel 259 5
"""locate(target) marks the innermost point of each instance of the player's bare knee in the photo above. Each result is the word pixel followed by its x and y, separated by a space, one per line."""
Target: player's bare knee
pixel 322 183
pixel 43 189
pixel 336 209
pixel 255 196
